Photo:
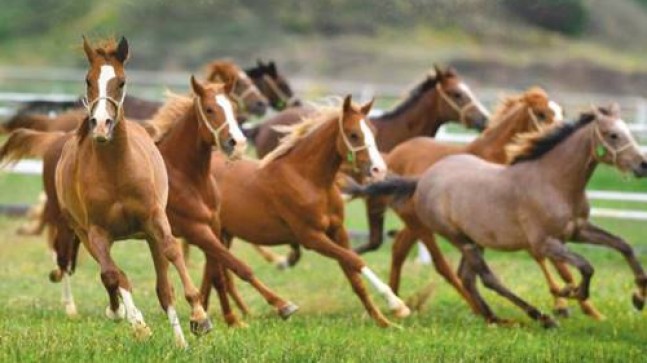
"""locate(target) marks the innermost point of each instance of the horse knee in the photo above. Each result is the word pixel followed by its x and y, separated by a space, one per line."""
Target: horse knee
pixel 110 279
pixel 587 270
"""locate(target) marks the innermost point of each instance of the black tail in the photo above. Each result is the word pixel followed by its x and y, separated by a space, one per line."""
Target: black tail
pixel 398 187
pixel 251 132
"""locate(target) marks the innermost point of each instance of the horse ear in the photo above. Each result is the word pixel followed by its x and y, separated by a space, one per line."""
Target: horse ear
pixel 122 52
pixel 596 112
pixel 272 69
pixel 260 64
pixel 197 88
pixel 614 109
pixel 87 48
pixel 439 72
pixel 366 108
pixel 347 103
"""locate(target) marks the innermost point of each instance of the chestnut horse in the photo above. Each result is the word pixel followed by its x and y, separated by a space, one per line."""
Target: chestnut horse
pixel 273 85
pixel 248 97
pixel 436 100
pixel 111 184
pixel 530 205
pixel 189 128
pixel 291 198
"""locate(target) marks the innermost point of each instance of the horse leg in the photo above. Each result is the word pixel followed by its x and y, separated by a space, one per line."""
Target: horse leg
pixel 586 306
pixel 561 305
pixel 270 256
pixel 375 209
pixel 159 232
pixel 214 275
pixel 203 237
pixel 165 293
pixel 557 251
pixel 401 247
pixel 444 269
pixel 229 282
pixel 474 257
pixel 468 278
pixel 63 243
pixel 186 253
pixel 589 233
pixel 98 243
pixel 294 256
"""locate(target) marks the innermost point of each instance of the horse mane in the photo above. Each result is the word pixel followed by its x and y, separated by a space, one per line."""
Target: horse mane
pixel 222 71
pixel 413 96
pixel 532 146
pixel 509 102
pixel 297 132
pixel 163 121
pixel 106 48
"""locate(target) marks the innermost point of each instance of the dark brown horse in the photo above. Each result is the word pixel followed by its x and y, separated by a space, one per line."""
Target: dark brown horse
pixel 111 184
pixel 291 197
pixel 273 85
pixel 530 205
pixel 436 100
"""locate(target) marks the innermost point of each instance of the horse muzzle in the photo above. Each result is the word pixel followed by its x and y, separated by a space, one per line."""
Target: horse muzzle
pixel 640 171
pixel 102 131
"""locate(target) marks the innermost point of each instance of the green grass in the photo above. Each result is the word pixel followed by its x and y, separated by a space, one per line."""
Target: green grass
pixel 331 325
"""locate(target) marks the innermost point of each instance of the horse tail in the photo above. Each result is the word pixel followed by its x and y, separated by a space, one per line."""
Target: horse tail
pixel 24 143
pixel 399 187
pixel 251 132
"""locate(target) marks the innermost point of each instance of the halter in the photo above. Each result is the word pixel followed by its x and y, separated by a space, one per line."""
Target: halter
pixel 600 150
pixel 352 150
pixel 240 98
pixel 461 110
pixel 215 132
pixel 90 105
pixel 284 99
pixel 534 119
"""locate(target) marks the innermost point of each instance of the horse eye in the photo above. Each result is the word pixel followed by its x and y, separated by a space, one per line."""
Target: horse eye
pixel 541 115
pixel 87 82
pixel 122 84
pixel 353 137
pixel 208 110
pixel 613 136
pixel 457 95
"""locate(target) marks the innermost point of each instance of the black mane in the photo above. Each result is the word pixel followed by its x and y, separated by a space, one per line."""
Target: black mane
pixel 414 96
pixel 554 138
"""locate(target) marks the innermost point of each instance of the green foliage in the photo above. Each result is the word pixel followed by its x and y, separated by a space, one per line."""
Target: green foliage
pixel 565 16
pixel 21 18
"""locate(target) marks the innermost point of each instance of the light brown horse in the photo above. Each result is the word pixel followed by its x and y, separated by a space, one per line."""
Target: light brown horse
pixel 190 127
pixel 438 99
pixel 291 197
pixel 528 112
pixel 111 184
pixel 273 85
pixel 530 205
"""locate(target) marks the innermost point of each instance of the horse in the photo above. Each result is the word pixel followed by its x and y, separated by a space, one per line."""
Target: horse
pixel 529 205
pixel 290 196
pixel 111 184
pixel 530 112
pixel 249 100
pixel 437 99
pixel 248 97
pixel 273 85
pixel 187 129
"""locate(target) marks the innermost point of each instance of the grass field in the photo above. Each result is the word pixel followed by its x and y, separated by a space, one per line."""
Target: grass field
pixel 331 325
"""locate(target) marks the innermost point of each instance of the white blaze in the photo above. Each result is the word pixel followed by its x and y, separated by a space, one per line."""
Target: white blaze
pixel 377 163
pixel 557 110
pixel 479 106
pixel 234 130
pixel 106 73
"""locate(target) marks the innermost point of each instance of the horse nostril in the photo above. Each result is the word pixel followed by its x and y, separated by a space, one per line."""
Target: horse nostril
pixel 643 165
pixel 231 142
pixel 375 170
pixel 109 122
pixel 260 104
pixel 93 122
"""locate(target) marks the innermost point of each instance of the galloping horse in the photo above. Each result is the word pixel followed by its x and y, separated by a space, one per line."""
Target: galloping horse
pixel 436 100
pixel 531 111
pixel 110 184
pixel 290 197
pixel 273 85
pixel 530 205
pixel 189 127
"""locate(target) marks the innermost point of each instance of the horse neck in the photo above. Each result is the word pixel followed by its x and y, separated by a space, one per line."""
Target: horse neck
pixel 569 165
pixel 315 156
pixel 418 119
pixel 490 145
pixel 184 149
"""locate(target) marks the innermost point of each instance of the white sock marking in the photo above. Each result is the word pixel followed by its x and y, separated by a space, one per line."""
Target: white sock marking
pixel 393 301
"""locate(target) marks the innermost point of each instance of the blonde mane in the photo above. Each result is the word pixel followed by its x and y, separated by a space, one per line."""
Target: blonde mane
pixel 175 107
pixel 508 102
pixel 222 71
pixel 297 132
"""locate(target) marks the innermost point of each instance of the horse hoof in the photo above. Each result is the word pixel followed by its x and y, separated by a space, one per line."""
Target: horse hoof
pixel 118 315
pixel 70 310
pixel 562 312
pixel 202 327
pixel 181 343
pixel 402 312
pixel 548 322
pixel 638 301
pixel 55 276
pixel 286 311
pixel 496 321
pixel 239 325
pixel 141 331
pixel 283 265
